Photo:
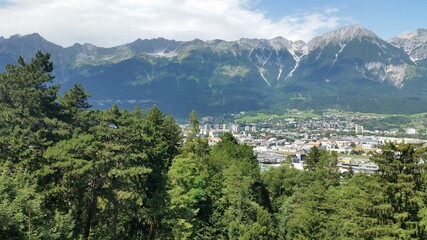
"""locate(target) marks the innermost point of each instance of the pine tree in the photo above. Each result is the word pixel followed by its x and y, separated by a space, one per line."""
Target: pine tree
pixel 28 109
pixel 401 170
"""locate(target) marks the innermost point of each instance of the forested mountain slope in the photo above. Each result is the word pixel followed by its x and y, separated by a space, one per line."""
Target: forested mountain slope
pixel 350 68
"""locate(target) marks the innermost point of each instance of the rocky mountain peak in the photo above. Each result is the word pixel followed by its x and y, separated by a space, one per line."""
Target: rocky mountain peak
pixel 413 43
pixel 252 42
pixel 27 45
pixel 281 42
pixel 341 36
pixel 419 34
pixel 29 37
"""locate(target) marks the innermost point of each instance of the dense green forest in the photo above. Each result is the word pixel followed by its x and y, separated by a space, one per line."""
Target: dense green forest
pixel 68 172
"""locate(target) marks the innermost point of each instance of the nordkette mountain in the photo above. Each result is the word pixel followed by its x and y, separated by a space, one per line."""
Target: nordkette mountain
pixel 350 68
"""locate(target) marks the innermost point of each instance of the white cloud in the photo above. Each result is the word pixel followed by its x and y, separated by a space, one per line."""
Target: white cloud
pixel 109 23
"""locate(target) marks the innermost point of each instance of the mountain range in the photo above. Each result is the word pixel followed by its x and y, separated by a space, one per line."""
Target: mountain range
pixel 350 68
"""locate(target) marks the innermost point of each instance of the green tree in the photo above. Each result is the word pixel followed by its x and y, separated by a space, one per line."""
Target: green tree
pixel 162 141
pixel 101 176
pixel 22 215
pixel 75 99
pixel 238 200
pixel 401 170
pixel 76 178
pixel 193 143
pixel 323 163
pixel 98 174
pixel 187 194
pixel 28 109
pixel 194 123
pixel 282 182
pixel 73 104
pixel 305 214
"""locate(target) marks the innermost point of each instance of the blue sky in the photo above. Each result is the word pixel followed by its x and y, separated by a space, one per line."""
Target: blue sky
pixel 387 18
pixel 112 22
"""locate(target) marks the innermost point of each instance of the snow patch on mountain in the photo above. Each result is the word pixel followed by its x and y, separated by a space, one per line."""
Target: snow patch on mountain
pixel 261 72
pixel 337 55
pixel 164 54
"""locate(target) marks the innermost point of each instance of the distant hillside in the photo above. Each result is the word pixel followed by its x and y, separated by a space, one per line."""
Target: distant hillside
pixel 350 68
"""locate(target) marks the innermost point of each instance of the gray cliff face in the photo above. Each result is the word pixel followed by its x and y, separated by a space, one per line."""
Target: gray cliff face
pixel 414 44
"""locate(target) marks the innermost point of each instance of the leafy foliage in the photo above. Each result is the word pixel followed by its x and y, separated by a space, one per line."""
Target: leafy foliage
pixel 68 172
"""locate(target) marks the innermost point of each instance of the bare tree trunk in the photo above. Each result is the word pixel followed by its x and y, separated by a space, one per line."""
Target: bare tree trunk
pixel 115 217
pixel 153 225
pixel 90 213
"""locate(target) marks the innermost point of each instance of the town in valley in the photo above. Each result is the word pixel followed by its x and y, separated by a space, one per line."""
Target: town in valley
pixel 286 139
